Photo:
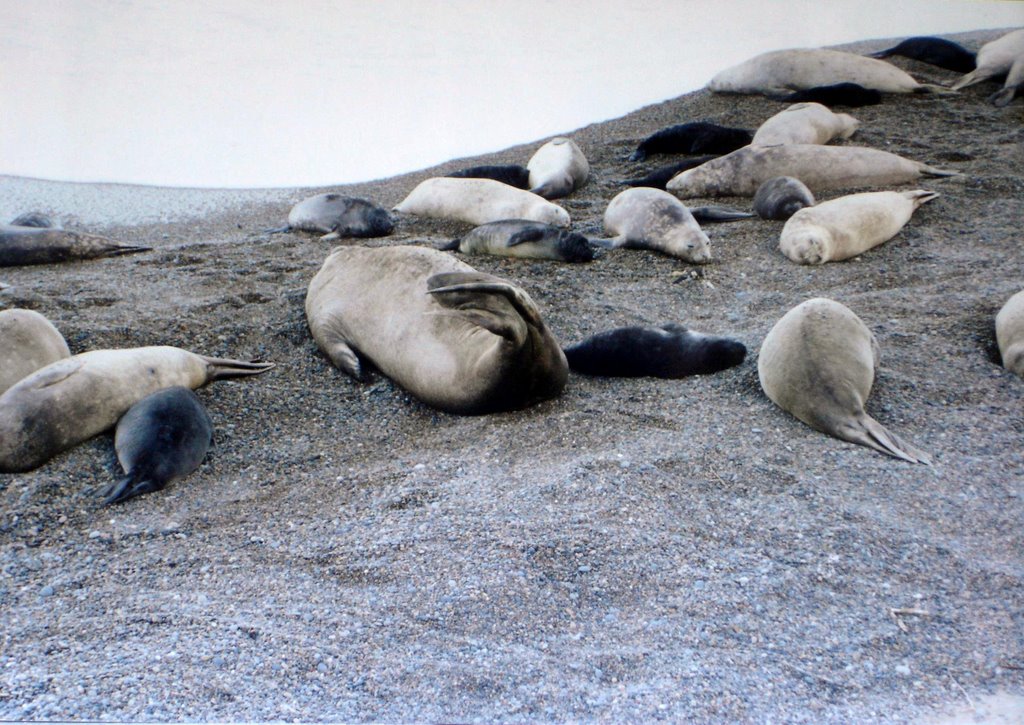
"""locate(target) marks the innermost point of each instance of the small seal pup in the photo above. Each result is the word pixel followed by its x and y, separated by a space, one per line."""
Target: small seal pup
pixel 557 169
pixel 818 363
pixel 163 437
pixel 511 174
pixel 459 340
pixel 850 225
pixel 820 167
pixel 34 219
pixel 696 137
pixel 478 201
pixel 781 197
pixel 1010 334
pixel 336 216
pixel 660 176
pixel 524 239
pixel 71 400
pixel 805 123
pixel 44 245
pixel 1002 55
pixel 668 351
pixel 781 71
pixel 836 94
pixel 28 341
pixel 933 51
pixel 646 218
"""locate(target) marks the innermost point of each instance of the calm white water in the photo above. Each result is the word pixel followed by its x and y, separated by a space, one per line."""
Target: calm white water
pixel 237 93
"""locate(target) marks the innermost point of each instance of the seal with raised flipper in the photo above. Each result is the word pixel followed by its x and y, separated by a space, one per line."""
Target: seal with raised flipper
pixel 781 197
pixel 646 218
pixel 457 339
pixel 71 400
pixel 28 342
pixel 45 245
pixel 336 216
pixel 1002 55
pixel 810 123
pixel 558 168
pixel 479 201
pixel 1010 334
pixel 818 363
pixel 933 51
pixel 524 239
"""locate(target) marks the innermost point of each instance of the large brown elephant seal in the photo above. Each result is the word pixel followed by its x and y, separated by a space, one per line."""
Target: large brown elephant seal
pixel 646 218
pixel 805 123
pixel 457 339
pixel 479 201
pixel 1002 55
pixel 557 169
pixel 71 400
pixel 28 342
pixel 845 227
pixel 1010 333
pixel 818 363
pixel 43 245
pixel 820 167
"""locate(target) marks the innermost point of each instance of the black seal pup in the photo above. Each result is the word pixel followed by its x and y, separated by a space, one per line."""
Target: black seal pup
pixel 511 174
pixel 524 239
pixel 933 51
pixel 21 245
pixel 696 137
pixel 850 95
pixel 161 438
pixel 660 176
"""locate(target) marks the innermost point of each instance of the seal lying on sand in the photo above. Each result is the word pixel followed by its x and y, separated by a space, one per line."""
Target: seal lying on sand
pixel 28 342
pixel 1002 55
pixel 669 351
pixel 457 339
pixel 933 51
pixel 336 216
pixel 818 363
pixel 645 218
pixel 524 239
pixel 479 201
pixel 43 245
pixel 557 169
pixel 72 400
pixel 810 123
pixel 1010 334
pixel 163 437
pixel 659 177
pixel 511 174
pixel 781 197
pixel 696 137
pixel 837 94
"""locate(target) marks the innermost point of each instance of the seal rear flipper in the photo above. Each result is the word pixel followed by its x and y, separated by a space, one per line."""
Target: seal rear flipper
pixel 345 359
pixel 719 214
pixel 278 230
pixel 873 434
pixel 223 368
pixel 1003 97
pixel 455 282
pixel 331 236
pixel 927 170
pixel 128 487
pixel 452 246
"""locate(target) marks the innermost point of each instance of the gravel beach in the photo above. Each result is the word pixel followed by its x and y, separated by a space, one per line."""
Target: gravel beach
pixel 633 550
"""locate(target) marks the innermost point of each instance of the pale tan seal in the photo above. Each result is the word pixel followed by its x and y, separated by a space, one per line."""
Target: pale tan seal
pixel 71 400
pixel 818 363
pixel 457 339
pixel 1010 334
pixel 558 168
pixel 850 225
pixel 646 218
pixel 820 168
pixel 479 201
pixel 1002 55
pixel 810 123
pixel 28 342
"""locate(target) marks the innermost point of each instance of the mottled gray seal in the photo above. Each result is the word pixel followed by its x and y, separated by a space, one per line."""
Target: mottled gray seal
pixel 850 225
pixel 1010 334
pixel 459 340
pixel 781 197
pixel 805 123
pixel 646 218
pixel 71 400
pixel 818 363
pixel 511 174
pixel 34 245
pixel 695 137
pixel 161 438
pixel 820 167
pixel 850 95
pixel 524 239
pixel 1002 55
pixel 479 201
pixel 336 216
pixel 557 169
pixel 668 351
pixel 28 342
pixel 933 51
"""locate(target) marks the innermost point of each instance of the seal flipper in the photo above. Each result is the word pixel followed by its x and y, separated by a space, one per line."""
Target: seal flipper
pixel 524 236
pixel 223 368
pixel 869 432
pixel 344 358
pixel 718 214
pixel 278 230
pixel 128 487
pixel 452 246
pixel 453 282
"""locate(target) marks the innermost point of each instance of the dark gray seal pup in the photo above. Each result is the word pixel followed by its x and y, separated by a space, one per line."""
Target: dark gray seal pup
pixel 525 239
pixel 660 176
pixel 781 197
pixel 933 51
pixel 696 137
pixel 28 342
pixel 459 340
pixel 511 174
pixel 336 216
pixel 163 437
pixel 71 400
pixel 668 351
pixel 34 245
pixel 850 95
pixel 34 219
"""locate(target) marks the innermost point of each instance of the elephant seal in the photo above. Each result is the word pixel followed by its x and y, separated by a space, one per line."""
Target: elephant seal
pixel 459 340
pixel 781 71
pixel 850 225
pixel 836 94
pixel 933 51
pixel 645 218
pixel 1002 55
pixel 696 137
pixel 28 341
pixel 668 351
pixel 511 174
pixel 163 437
pixel 336 216
pixel 810 123
pixel 818 363
pixel 34 245
pixel 660 176
pixel 71 400
pixel 479 201
pixel 524 239
pixel 1010 334
pixel 781 197
pixel 557 169
pixel 34 219
pixel 820 167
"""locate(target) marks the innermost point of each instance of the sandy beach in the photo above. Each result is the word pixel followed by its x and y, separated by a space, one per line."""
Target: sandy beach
pixel 633 550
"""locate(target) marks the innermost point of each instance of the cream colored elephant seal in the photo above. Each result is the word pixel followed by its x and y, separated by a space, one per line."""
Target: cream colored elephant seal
pixel 810 123
pixel 28 342
pixel 1002 55
pixel 850 225
pixel 648 218
pixel 1010 334
pixel 479 201
pixel 818 363
pixel 558 168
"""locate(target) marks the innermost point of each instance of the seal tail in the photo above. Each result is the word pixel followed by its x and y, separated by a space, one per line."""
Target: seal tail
pixel 224 368
pixel 718 214
pixel 873 434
